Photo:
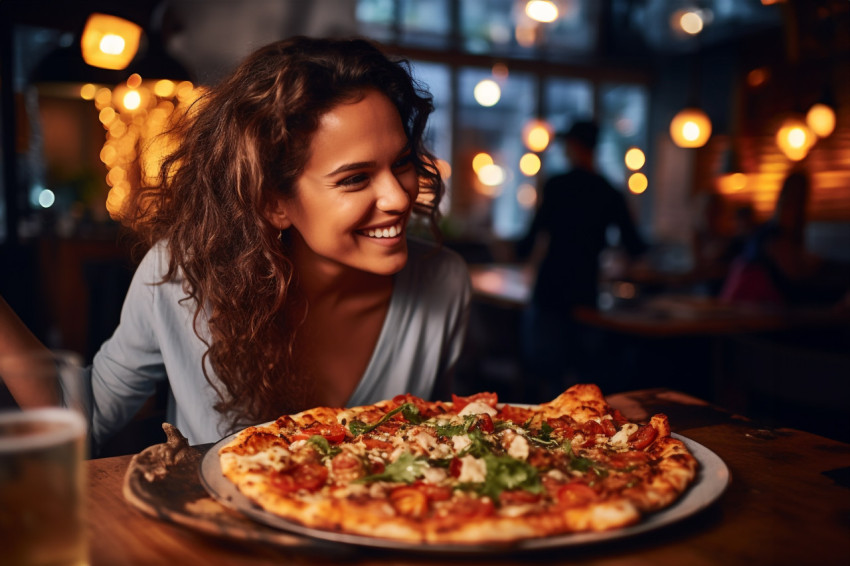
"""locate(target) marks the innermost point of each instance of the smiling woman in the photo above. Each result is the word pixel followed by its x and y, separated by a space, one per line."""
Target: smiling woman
pixel 279 274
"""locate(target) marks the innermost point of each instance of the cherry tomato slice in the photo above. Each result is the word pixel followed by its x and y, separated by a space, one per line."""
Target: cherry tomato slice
pixel 576 494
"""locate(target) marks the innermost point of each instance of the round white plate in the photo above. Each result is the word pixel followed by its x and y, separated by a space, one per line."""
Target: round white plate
pixel 711 482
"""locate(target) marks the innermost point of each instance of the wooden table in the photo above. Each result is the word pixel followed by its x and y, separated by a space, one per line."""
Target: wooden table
pixel 680 315
pixel 788 503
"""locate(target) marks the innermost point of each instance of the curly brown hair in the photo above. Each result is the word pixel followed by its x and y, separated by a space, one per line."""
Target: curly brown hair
pixel 242 146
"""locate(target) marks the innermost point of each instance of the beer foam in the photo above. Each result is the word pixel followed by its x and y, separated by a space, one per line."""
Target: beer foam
pixel 33 429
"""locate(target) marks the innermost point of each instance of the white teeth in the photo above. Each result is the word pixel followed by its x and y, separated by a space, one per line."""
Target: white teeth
pixel 390 232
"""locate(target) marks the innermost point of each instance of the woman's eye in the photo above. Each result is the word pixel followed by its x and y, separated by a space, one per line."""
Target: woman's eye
pixel 354 180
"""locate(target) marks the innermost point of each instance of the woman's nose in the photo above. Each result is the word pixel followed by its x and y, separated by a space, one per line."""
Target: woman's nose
pixel 392 195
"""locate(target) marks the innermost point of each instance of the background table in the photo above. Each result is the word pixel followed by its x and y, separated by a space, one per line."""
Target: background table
pixel 788 503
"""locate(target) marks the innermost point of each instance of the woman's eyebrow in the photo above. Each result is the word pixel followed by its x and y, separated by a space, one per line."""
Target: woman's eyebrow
pixel 351 167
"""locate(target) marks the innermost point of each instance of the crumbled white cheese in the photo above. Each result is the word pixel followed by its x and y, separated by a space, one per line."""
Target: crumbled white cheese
pixel 472 470
pixel 425 440
pixel 442 451
pixel 621 439
pixel 556 474
pixel 478 408
pixel 460 442
pixel 518 448
pixel 434 475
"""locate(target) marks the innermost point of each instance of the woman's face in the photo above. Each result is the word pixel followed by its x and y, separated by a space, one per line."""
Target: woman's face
pixel 354 197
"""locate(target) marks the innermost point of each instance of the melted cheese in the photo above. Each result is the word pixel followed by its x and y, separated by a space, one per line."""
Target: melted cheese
pixel 478 408
pixel 425 440
pixel 276 457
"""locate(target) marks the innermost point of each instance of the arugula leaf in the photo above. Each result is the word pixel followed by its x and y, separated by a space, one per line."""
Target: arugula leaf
pixel 408 410
pixel 582 464
pixel 323 446
pixel 544 436
pixel 406 469
pixel 456 429
pixel 507 473
pixel 545 432
pixel 411 413
pixel 478 446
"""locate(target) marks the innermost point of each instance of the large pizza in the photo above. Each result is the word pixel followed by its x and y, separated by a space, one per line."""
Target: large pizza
pixel 468 471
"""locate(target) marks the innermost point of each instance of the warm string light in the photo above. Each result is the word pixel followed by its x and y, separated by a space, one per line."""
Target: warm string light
pixel 109 42
pixel 135 115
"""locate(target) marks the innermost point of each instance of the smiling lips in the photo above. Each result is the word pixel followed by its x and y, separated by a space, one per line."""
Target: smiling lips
pixel 390 232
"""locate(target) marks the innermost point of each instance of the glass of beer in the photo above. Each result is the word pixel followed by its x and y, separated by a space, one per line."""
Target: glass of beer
pixel 42 476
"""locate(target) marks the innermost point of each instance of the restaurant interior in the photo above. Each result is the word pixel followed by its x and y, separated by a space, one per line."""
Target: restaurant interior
pixel 704 108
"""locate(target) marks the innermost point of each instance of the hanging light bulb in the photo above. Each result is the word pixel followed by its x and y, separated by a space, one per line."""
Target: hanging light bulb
pixel 795 138
pixel 690 128
pixel 109 42
pixel 821 119
pixel 543 11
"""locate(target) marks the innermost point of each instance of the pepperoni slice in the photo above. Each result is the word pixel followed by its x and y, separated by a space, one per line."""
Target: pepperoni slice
pixel 642 437
pixel 487 398
pixel 310 476
pixel 332 432
pixel 409 501
pixel 518 497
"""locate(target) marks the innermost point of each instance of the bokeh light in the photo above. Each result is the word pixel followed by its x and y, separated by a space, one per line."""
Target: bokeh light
pixel 487 92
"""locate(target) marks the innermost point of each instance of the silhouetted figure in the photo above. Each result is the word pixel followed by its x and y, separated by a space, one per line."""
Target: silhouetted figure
pixel 576 209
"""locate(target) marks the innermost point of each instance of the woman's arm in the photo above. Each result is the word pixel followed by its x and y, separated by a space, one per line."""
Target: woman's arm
pixel 26 365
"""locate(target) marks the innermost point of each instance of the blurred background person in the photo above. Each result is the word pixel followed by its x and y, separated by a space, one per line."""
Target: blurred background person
pixel 719 237
pixel 774 266
pixel 568 234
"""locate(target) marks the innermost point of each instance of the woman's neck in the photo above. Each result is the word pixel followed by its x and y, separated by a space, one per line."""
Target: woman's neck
pixel 323 281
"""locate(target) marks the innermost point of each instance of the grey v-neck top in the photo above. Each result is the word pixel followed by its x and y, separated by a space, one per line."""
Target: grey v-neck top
pixel 420 342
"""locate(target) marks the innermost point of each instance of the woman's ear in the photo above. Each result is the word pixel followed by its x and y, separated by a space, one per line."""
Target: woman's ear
pixel 276 214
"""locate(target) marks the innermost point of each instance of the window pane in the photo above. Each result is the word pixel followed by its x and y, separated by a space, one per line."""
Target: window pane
pixel 376 19
pixel 438 138
pixel 566 100
pixel 425 23
pixel 622 124
pixel 501 27
pixel 574 30
pixel 496 130
pixel 487 26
